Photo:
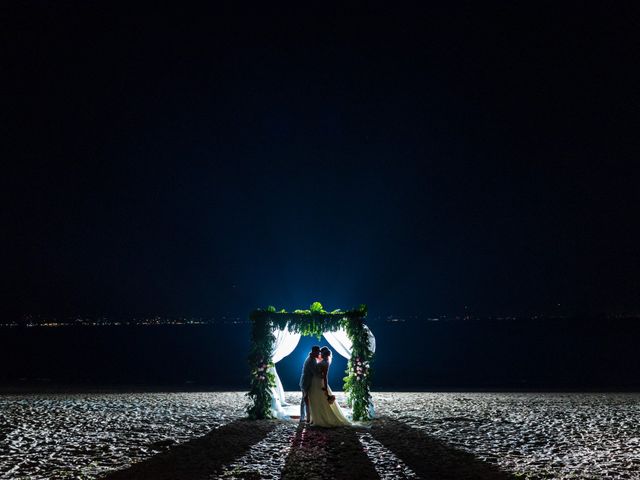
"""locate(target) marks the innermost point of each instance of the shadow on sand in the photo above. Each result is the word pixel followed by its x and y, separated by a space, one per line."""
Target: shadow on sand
pixel 315 453
pixel 431 458
pixel 201 458
pixel 320 453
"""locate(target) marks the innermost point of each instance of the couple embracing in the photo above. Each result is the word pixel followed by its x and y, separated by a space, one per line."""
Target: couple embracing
pixel 318 405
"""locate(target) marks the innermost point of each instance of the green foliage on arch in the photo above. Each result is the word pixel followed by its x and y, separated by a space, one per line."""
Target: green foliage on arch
pixel 312 322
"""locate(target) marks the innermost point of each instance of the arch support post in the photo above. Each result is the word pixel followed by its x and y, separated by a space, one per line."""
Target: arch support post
pixel 261 379
pixel 357 383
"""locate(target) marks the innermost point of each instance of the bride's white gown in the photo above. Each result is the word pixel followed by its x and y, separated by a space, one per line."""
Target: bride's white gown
pixel 323 413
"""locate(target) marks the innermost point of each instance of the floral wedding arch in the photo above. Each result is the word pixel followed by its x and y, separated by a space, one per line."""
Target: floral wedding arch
pixel 275 334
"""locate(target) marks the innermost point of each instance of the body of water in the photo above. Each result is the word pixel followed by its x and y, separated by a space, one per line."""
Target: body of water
pixel 482 354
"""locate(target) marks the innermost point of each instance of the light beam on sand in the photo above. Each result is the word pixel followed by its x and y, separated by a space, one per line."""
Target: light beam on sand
pixel 266 458
pixel 388 466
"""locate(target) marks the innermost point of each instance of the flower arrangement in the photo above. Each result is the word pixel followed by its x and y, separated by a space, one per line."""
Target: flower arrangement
pixel 360 369
pixel 261 371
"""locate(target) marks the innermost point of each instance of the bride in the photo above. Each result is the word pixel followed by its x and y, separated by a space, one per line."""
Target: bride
pixel 325 411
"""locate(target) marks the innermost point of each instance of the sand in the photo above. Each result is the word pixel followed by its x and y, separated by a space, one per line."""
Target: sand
pixel 415 435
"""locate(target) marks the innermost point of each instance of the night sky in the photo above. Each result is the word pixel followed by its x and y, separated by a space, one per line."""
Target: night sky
pixel 193 162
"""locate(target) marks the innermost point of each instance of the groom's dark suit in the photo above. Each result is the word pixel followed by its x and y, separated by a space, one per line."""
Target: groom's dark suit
pixel 308 371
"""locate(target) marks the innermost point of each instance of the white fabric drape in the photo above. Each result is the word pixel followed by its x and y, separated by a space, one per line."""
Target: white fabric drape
pixel 285 343
pixel 342 344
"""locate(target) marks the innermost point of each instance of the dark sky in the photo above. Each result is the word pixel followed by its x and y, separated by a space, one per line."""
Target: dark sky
pixel 194 162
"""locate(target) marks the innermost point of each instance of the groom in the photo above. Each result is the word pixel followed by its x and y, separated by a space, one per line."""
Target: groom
pixel 308 371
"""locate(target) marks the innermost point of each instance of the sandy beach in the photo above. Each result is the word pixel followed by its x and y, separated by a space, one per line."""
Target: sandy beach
pixel 415 435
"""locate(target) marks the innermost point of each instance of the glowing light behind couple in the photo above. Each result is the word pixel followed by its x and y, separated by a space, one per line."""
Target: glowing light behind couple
pixel 289 367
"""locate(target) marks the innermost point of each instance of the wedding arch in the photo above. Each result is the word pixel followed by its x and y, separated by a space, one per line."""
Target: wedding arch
pixel 275 334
